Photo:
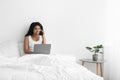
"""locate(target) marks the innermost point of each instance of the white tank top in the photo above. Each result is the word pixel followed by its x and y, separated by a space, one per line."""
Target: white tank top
pixel 32 42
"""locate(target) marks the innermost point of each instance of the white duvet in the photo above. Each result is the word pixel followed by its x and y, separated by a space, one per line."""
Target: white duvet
pixel 44 67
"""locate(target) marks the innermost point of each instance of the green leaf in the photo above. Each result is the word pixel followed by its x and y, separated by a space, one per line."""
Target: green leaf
pixel 97 50
pixel 89 48
pixel 94 46
pixel 101 52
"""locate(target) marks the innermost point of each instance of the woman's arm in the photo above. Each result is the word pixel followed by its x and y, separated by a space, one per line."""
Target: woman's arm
pixel 26 47
pixel 43 38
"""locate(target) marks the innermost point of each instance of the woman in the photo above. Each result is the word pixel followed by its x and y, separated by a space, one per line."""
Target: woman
pixel 35 35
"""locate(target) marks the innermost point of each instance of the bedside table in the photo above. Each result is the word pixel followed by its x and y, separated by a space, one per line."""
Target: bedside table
pixel 98 62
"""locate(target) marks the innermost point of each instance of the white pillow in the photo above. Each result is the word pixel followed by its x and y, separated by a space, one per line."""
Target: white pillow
pixel 21 48
pixel 7 60
pixel 9 49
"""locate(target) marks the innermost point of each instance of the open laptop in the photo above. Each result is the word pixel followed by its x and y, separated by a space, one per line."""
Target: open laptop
pixel 42 48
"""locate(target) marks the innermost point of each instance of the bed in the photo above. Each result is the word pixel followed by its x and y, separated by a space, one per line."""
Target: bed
pixel 40 66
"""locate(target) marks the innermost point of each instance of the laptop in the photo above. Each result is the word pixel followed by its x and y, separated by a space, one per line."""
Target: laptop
pixel 42 48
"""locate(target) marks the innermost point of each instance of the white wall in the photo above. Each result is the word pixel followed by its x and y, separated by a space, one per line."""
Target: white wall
pixel 112 41
pixel 70 25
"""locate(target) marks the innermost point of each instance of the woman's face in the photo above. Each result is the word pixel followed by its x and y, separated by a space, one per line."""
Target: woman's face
pixel 36 30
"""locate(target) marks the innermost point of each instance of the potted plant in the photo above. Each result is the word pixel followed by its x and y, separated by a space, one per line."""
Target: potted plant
pixel 95 50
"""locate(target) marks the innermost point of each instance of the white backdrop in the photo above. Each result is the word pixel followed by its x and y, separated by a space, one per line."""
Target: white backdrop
pixel 112 41
pixel 70 25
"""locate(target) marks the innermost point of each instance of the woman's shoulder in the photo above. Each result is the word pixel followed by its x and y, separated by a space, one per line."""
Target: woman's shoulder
pixel 27 37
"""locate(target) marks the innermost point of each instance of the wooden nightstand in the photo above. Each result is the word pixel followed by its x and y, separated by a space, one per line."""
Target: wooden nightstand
pixel 98 62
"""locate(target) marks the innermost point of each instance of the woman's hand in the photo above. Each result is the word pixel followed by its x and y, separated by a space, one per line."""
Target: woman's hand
pixel 43 37
pixel 43 32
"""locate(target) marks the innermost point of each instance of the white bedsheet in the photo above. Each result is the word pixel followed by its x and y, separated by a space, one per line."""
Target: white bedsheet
pixel 44 67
